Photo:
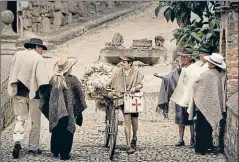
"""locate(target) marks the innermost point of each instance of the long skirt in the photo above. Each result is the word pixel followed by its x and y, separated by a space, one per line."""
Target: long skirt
pixel 61 139
pixel 204 130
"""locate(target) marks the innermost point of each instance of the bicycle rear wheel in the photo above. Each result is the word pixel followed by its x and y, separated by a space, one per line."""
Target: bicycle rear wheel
pixel 113 132
pixel 107 126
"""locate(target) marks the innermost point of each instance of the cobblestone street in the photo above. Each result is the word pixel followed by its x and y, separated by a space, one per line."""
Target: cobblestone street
pixel 156 137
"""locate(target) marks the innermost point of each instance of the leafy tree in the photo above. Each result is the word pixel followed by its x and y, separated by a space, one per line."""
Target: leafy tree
pixel 204 31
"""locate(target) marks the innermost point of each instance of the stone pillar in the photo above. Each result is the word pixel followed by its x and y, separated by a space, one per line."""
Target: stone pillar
pixel 8 49
pixel 8 36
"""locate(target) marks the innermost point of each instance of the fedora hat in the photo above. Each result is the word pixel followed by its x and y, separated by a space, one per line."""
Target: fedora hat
pixel 185 51
pixel 35 41
pixel 216 59
pixel 63 65
pixel 127 57
pixel 204 49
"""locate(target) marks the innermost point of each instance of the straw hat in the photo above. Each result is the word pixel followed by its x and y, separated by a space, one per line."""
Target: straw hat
pixel 216 59
pixel 62 66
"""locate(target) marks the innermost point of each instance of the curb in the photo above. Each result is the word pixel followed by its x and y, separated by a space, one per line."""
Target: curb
pixel 67 35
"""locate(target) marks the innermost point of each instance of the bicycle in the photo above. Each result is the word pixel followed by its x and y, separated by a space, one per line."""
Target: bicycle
pixel 111 120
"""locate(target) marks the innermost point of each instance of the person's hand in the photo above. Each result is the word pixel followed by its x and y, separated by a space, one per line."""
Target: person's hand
pixel 79 119
pixel 132 90
pixel 156 74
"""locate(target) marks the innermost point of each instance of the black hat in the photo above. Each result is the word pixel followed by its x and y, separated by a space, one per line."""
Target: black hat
pixel 127 57
pixel 207 50
pixel 35 41
pixel 185 51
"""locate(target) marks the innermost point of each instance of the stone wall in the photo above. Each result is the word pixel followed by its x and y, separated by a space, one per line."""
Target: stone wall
pixel 232 54
pixel 232 133
pixel 45 16
pixel 231 137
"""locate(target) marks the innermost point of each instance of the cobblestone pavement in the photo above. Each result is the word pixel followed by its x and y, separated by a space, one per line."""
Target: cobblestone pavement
pixel 156 137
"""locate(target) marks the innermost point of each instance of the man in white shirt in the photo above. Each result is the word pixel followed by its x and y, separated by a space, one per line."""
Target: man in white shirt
pixel 27 76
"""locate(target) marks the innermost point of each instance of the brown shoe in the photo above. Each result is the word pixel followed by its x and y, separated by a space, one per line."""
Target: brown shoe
pixel 133 143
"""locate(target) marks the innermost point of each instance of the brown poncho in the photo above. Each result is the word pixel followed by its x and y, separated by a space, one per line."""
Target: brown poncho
pixel 58 103
pixel 133 79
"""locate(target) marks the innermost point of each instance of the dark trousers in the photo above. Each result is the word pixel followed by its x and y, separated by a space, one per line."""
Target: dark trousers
pixel 61 139
pixel 204 139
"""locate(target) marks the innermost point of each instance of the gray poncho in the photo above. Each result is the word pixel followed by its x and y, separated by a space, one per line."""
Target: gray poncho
pixel 168 85
pixel 209 96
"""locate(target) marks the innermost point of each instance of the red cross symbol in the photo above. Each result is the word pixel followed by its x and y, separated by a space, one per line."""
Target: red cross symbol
pixel 136 104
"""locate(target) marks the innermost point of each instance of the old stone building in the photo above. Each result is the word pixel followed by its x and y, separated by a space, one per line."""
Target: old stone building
pixel 229 49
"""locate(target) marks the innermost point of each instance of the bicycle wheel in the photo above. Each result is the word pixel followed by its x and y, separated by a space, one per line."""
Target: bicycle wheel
pixel 113 132
pixel 107 133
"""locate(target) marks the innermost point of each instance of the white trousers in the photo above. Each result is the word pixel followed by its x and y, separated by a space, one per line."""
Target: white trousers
pixel 22 107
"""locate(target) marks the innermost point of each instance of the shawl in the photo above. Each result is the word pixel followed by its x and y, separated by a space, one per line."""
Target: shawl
pixel 117 80
pixel 183 93
pixel 28 67
pixel 169 82
pixel 209 96
pixel 57 103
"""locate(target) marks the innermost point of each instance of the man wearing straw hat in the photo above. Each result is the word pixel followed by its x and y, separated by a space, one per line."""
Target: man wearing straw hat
pixel 27 77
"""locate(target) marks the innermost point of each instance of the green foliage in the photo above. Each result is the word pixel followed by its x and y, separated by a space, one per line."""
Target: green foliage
pixel 204 31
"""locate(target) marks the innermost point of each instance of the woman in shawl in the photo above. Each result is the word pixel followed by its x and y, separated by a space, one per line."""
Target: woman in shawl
pixel 65 107
pixel 133 83
pixel 209 98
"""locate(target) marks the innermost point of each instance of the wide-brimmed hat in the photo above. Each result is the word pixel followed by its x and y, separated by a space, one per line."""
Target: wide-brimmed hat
pixel 216 59
pixel 185 51
pixel 35 41
pixel 127 57
pixel 62 66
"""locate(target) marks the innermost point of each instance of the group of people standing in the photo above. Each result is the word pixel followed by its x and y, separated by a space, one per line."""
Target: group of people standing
pixel 198 91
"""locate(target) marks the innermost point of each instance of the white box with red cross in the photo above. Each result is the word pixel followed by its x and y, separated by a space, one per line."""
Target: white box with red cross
pixel 134 103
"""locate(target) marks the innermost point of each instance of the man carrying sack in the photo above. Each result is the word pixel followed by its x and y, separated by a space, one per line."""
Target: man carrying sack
pixel 27 77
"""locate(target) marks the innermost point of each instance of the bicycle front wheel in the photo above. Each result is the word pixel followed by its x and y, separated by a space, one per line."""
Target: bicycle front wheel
pixel 107 133
pixel 113 132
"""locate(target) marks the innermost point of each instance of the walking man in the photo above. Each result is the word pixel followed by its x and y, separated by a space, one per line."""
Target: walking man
pixel 27 76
